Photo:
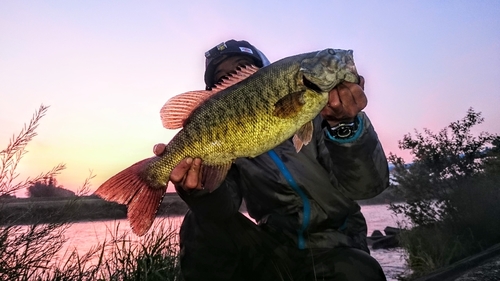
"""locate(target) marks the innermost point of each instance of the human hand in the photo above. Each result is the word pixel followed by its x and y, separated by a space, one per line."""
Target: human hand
pixel 345 101
pixel 187 174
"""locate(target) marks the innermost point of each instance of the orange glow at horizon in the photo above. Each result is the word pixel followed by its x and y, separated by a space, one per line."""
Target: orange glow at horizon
pixel 106 70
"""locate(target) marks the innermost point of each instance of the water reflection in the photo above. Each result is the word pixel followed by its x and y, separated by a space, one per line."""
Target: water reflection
pixel 83 236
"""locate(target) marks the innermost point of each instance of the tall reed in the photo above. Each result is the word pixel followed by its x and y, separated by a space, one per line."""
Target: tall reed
pixel 34 252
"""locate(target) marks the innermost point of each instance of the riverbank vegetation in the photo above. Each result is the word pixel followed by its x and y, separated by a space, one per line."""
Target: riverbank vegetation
pixel 451 191
pixel 448 194
pixel 33 251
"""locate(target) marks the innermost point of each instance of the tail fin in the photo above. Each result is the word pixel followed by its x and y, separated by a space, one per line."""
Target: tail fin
pixel 142 200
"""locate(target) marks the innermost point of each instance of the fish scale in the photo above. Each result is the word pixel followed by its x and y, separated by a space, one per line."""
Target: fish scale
pixel 255 111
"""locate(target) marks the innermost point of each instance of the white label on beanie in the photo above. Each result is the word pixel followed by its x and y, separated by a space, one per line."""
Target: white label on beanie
pixel 246 50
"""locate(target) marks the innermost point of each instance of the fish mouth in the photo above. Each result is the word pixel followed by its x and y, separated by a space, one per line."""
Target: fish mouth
pixel 313 81
pixel 311 85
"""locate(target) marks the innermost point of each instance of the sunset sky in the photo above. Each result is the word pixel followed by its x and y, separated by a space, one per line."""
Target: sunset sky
pixel 106 68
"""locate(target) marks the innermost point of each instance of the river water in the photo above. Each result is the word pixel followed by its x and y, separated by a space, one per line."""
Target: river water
pixel 84 235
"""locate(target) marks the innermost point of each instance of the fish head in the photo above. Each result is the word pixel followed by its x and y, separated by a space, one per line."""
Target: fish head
pixel 328 68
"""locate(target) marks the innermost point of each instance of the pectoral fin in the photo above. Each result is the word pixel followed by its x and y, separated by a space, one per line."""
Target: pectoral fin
pixel 290 105
pixel 303 136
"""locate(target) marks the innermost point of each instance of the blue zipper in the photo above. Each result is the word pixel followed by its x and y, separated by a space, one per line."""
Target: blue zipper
pixel 306 206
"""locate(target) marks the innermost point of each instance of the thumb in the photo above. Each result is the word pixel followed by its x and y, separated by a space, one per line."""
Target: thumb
pixel 159 148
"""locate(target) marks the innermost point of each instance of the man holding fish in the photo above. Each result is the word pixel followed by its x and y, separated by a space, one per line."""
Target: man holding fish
pixel 289 139
pixel 348 164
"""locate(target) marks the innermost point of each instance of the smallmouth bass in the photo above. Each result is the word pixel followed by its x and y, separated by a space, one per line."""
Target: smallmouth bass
pixel 246 115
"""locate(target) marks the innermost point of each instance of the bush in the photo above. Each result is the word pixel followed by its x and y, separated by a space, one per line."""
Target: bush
pixel 477 209
pixel 451 193
pixel 48 189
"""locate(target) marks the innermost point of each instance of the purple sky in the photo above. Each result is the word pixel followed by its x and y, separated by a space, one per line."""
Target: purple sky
pixel 106 68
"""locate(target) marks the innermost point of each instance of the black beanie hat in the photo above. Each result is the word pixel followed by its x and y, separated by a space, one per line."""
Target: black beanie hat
pixel 225 49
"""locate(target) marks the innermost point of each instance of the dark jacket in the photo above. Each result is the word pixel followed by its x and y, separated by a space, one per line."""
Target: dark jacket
pixel 314 206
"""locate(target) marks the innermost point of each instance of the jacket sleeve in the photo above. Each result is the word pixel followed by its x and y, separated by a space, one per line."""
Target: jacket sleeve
pixel 359 164
pixel 217 205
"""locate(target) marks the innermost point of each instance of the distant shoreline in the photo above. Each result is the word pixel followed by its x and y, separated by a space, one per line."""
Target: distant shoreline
pixel 25 211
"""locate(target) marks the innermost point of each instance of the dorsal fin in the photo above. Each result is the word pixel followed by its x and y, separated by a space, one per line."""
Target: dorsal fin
pixel 177 109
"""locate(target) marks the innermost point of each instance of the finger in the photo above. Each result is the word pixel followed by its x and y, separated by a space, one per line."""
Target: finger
pixel 362 82
pixel 200 176
pixel 358 96
pixel 346 97
pixel 334 103
pixel 362 100
pixel 179 172
pixel 159 148
pixel 334 107
pixel 342 104
pixel 193 179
